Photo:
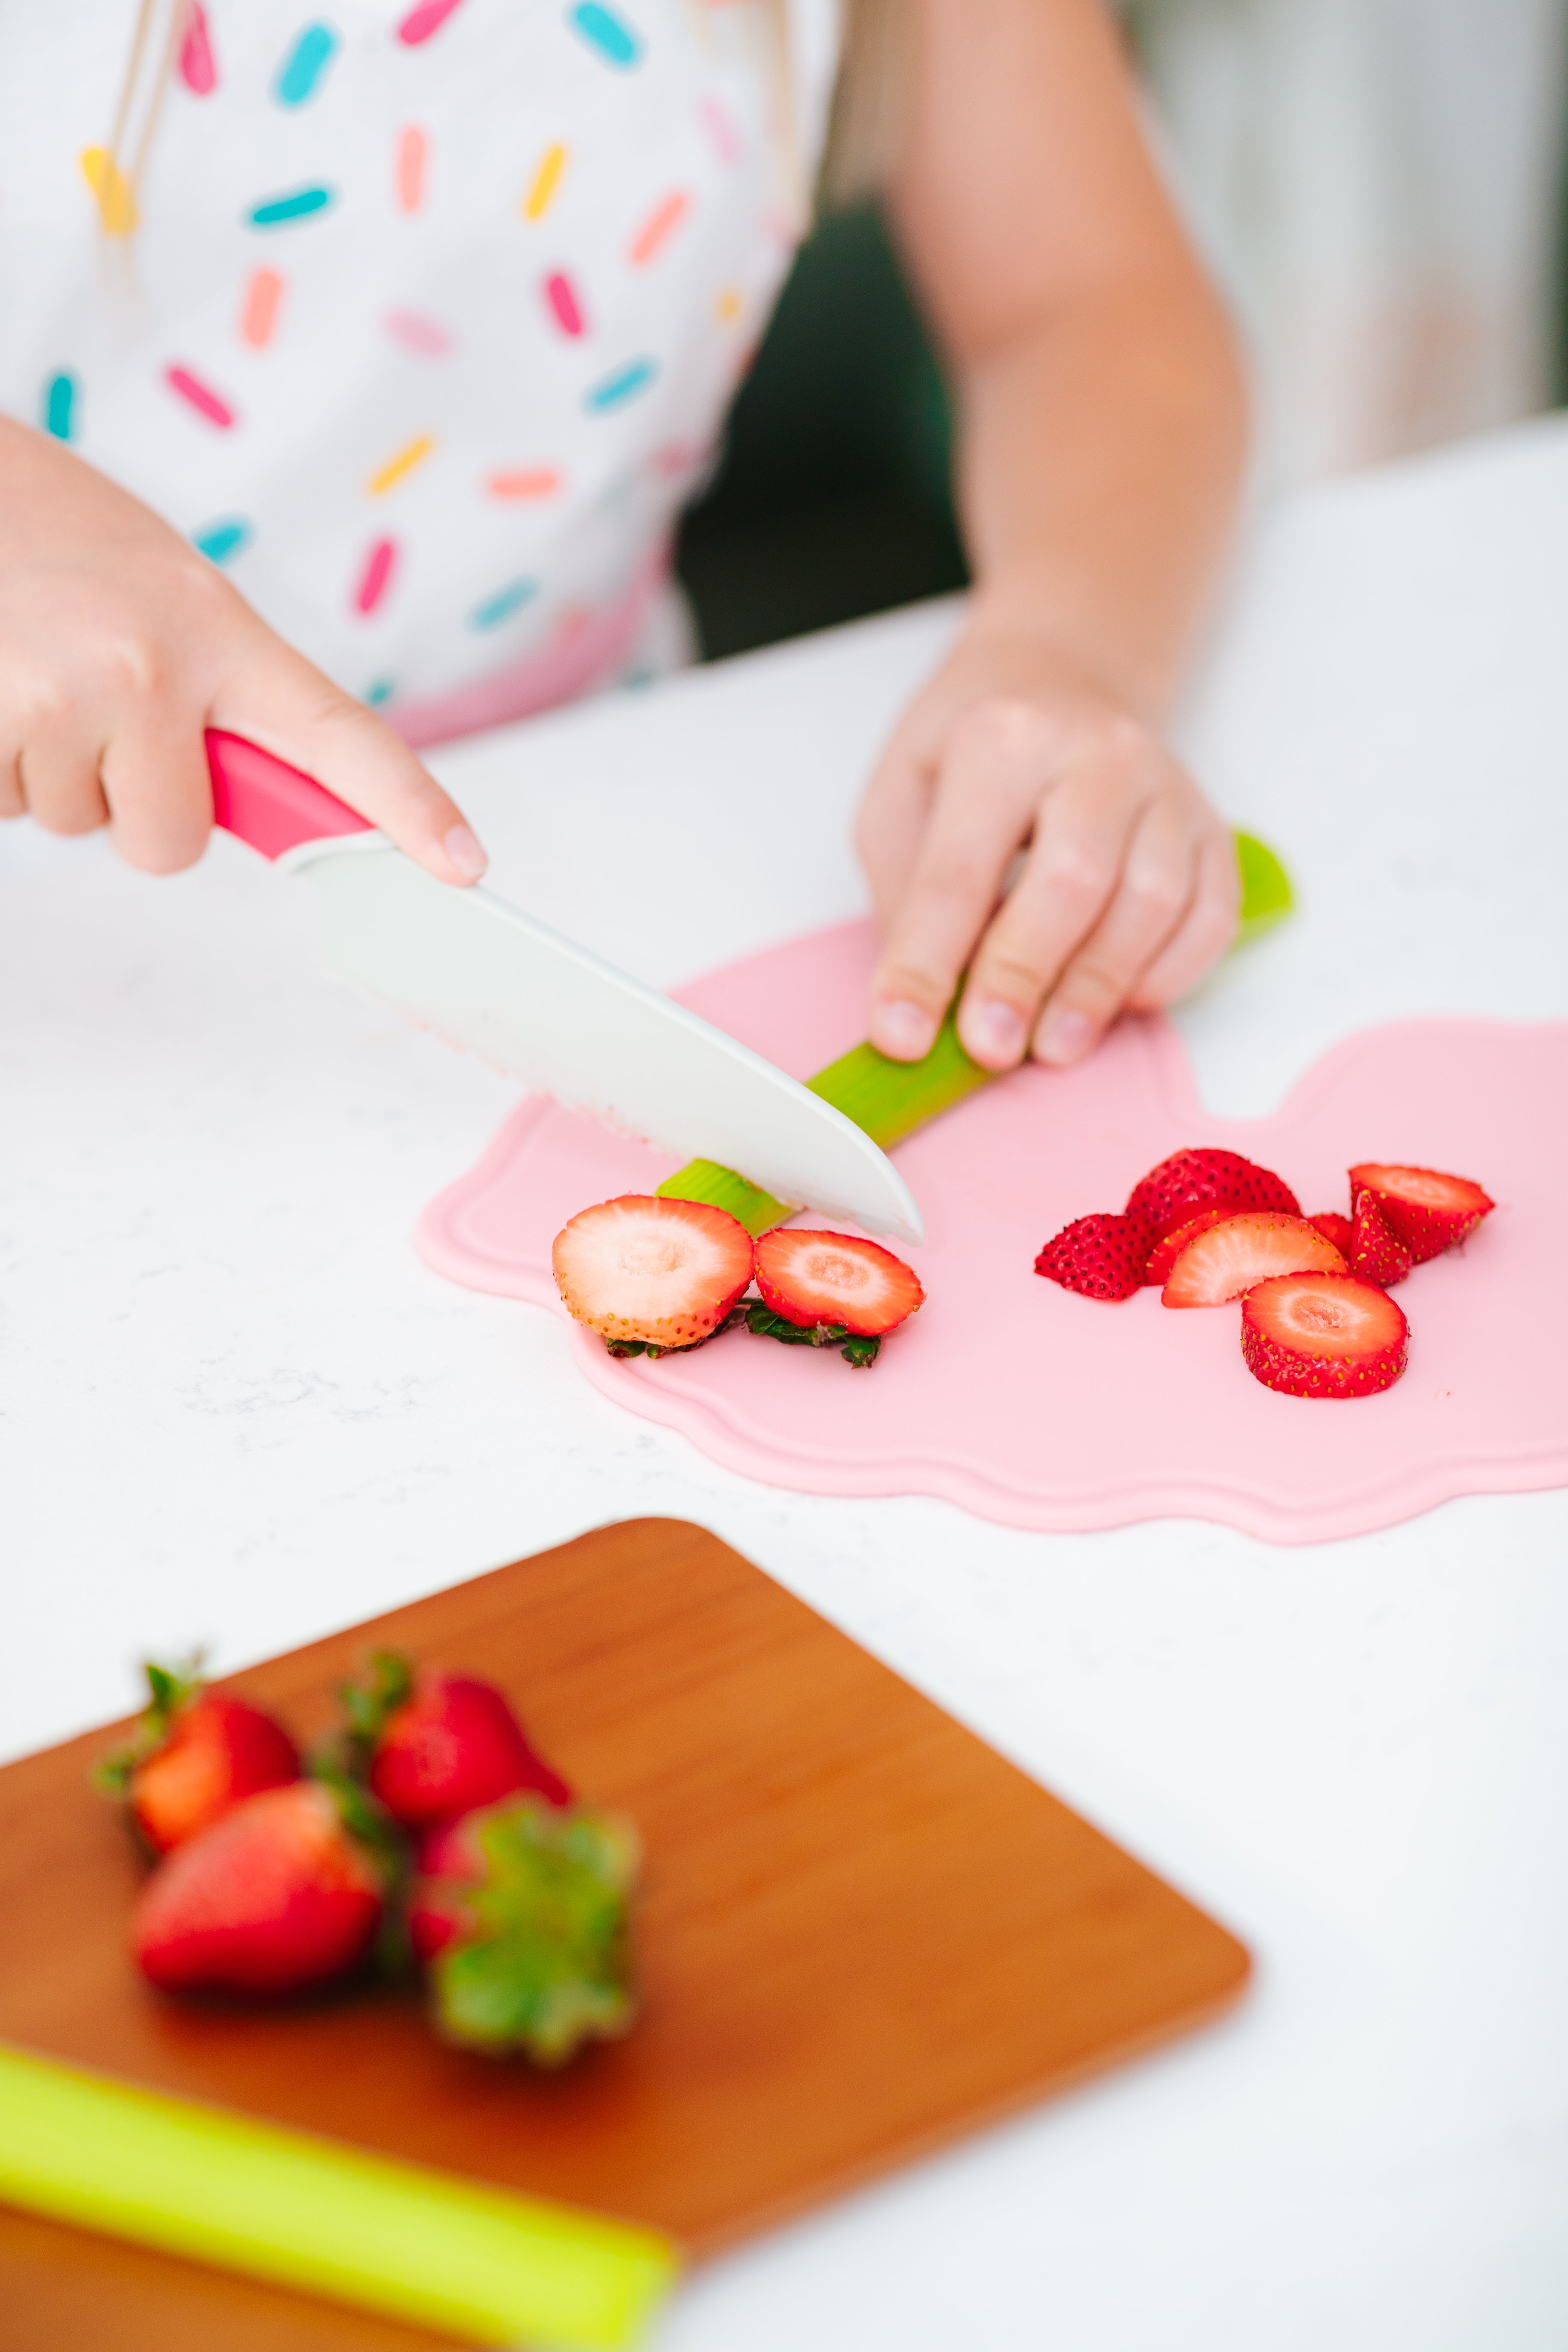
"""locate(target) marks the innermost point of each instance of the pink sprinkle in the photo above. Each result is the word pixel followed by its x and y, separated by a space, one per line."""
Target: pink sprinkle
pixel 413 154
pixel 419 333
pixel 260 316
pixel 721 130
pixel 200 396
pixel 562 300
pixel 422 21
pixel 665 215
pixel 198 67
pixel 373 579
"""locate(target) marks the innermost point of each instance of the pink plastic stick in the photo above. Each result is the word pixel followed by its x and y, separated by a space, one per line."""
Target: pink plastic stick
pixel 269 805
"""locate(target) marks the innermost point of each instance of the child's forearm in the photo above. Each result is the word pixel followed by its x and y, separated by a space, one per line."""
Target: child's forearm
pixel 1101 455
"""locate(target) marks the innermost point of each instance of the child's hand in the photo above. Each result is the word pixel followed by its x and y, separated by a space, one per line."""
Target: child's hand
pixel 118 645
pixel 1127 887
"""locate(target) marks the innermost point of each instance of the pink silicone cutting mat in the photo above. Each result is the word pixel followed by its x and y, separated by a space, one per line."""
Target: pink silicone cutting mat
pixel 1025 1403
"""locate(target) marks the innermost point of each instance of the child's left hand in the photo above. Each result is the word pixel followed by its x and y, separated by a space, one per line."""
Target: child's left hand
pixel 1128 889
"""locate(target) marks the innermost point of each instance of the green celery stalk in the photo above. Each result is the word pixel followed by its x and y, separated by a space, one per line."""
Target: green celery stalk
pixel 218 2188
pixel 890 1099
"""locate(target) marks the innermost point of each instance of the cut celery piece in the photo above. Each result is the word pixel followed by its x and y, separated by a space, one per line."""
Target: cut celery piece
pixel 890 1100
pixel 1267 896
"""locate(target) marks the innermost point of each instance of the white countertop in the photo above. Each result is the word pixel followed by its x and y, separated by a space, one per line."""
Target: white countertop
pixel 234 1406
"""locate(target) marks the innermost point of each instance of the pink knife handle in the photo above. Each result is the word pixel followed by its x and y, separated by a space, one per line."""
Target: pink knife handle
pixel 267 803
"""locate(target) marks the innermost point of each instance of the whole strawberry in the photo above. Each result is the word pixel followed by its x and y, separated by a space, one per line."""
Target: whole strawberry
pixel 522 1925
pixel 433 1746
pixel 195 1753
pixel 286 1892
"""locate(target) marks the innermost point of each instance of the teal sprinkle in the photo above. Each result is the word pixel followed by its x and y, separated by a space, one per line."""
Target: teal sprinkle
pixel 276 210
pixel 378 691
pixel 505 601
pixel 221 539
pixel 605 31
pixel 612 390
pixel 301 70
pixel 59 405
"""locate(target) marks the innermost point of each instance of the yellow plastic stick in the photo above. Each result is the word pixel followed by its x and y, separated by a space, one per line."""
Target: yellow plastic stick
pixel 311 2214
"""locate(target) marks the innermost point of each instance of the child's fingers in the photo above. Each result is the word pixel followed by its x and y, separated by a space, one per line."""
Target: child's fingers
pixel 279 701
pixel 891 824
pixel 996 766
pixel 1154 891
pixel 1070 873
pixel 56 769
pixel 1206 931
pixel 154 778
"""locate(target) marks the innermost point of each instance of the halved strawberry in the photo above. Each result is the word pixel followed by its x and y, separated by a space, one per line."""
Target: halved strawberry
pixel 1428 1210
pixel 1101 1256
pixel 1323 1335
pixel 1173 1192
pixel 1338 1229
pixel 665 1273
pixel 819 1277
pixel 1376 1254
pixel 195 1753
pixel 1229 1258
pixel 279 1895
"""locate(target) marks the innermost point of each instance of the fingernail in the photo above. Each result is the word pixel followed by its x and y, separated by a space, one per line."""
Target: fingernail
pixel 462 846
pixel 1065 1036
pixel 904 1029
pixel 996 1031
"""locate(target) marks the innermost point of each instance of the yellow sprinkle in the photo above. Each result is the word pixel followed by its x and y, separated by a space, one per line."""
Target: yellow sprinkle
pixel 404 463
pixel 536 204
pixel 729 304
pixel 116 197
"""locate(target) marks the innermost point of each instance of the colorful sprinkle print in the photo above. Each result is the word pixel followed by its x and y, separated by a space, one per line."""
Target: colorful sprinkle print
pixel 413 155
pixel 531 482
pixel 544 183
pixel 198 67
pixel 426 18
pixel 59 405
pixel 200 396
pixel 605 31
pixel 112 191
pixel 444 432
pixel 416 332
pixel 219 541
pixel 376 575
pixel 665 218
pixel 258 318
pixel 503 603
pixel 277 212
pixel 396 469
pixel 615 391
pixel 562 298
pixel 300 75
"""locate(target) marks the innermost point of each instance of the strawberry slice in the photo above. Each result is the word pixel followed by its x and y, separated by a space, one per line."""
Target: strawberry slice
pixel 1428 1210
pixel 1322 1335
pixel 1376 1252
pixel 1338 1229
pixel 279 1895
pixel 1168 1249
pixel 1101 1256
pixel 1229 1258
pixel 1173 1192
pixel 661 1273
pixel 816 1278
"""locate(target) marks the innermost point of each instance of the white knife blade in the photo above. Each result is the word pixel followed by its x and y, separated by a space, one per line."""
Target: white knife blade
pixel 485 976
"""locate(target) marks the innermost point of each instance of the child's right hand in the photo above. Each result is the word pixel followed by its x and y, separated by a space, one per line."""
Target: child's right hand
pixel 120 645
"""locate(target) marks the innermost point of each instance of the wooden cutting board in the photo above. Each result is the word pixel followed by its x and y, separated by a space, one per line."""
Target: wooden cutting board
pixel 862 1934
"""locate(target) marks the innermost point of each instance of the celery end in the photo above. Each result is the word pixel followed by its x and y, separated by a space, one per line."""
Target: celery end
pixel 1267 896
